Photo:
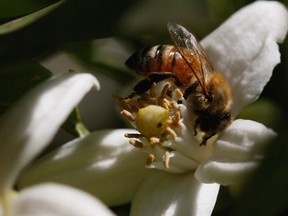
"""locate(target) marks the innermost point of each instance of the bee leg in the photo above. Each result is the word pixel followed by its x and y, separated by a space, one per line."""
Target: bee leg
pixel 196 124
pixel 131 95
pixel 206 138
pixel 142 86
pixel 145 85
pixel 195 129
pixel 191 89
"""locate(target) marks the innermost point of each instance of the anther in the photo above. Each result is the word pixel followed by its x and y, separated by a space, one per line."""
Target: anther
pixel 179 94
pixel 128 135
pixel 166 159
pixel 150 159
pixel 154 140
pixel 177 117
pixel 165 105
pixel 128 115
pixel 136 143
pixel 174 105
pixel 171 132
pixel 164 90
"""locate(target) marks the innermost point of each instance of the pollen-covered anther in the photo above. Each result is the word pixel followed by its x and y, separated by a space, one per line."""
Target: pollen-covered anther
pixel 150 159
pixel 132 135
pixel 174 105
pixel 136 143
pixel 154 140
pixel 165 105
pixel 166 159
pixel 127 115
pixel 179 94
pixel 171 132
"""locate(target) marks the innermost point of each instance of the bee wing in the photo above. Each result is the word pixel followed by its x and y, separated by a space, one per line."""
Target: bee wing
pixel 184 39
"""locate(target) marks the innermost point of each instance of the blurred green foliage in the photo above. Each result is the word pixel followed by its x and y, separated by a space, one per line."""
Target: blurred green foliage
pixel 9 9
pixel 17 80
pixel 76 27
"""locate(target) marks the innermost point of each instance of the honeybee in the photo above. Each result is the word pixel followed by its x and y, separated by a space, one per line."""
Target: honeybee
pixel 206 91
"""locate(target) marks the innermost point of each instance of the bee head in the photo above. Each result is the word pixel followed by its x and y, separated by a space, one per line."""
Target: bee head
pixel 212 124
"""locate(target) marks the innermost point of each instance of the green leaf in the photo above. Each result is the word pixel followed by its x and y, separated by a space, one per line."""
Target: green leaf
pixel 14 8
pixel 70 21
pixel 19 23
pixel 74 125
pixel 16 80
pixel 104 56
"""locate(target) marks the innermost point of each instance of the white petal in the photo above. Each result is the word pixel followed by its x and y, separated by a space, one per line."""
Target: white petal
pixel 54 199
pixel 245 48
pixel 102 163
pixel 32 122
pixel 237 153
pixel 90 106
pixel 174 194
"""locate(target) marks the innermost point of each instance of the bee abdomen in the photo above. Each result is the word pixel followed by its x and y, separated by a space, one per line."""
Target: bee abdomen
pixel 151 59
pixel 161 58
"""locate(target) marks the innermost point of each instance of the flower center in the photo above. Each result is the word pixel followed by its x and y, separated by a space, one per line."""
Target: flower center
pixel 152 121
pixel 165 126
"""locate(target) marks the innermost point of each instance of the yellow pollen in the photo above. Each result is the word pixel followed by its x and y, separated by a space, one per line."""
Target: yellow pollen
pixel 152 120
pixel 154 140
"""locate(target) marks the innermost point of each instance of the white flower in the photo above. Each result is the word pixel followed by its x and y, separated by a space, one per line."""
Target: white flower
pixel 245 49
pixel 25 130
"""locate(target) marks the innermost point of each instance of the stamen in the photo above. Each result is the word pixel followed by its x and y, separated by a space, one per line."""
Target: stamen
pixel 132 104
pixel 165 105
pixel 170 131
pixel 153 90
pixel 147 99
pixel 156 115
pixel 163 94
pixel 176 118
pixel 121 102
pixel 174 104
pixel 179 94
pixel 128 135
pixel 128 115
pixel 154 140
pixel 166 159
pixel 150 159
pixel 136 143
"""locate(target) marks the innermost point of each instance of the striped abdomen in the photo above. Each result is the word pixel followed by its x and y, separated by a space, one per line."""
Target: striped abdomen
pixel 162 58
